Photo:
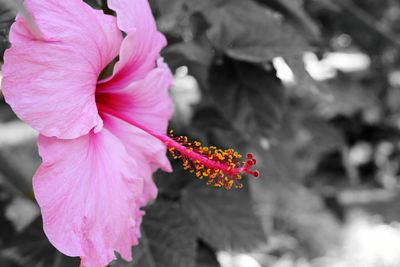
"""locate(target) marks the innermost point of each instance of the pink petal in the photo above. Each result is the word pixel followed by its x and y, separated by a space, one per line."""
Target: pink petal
pixel 145 149
pixel 89 192
pixel 142 45
pixel 133 15
pixel 146 102
pixel 50 83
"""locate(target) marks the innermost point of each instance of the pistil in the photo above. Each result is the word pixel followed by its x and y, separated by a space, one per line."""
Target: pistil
pixel 222 168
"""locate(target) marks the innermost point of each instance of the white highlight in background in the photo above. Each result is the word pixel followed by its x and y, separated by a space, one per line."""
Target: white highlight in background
pixel 283 71
pixel 239 260
pixel 326 68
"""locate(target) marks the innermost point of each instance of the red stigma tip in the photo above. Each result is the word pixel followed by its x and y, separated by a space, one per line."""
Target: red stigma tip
pixel 249 155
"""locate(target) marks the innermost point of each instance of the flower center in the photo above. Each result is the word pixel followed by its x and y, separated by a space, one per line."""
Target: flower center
pixel 222 168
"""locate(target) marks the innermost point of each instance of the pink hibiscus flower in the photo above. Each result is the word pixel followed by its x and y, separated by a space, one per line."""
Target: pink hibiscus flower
pixel 96 170
pixel 100 141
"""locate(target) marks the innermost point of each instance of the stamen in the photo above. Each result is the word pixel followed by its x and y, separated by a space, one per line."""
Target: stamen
pixel 221 168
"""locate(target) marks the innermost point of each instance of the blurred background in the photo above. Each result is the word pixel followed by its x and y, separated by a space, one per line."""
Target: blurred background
pixel 311 87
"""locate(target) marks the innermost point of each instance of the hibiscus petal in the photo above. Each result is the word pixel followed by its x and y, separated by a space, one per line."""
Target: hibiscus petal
pixel 89 192
pixel 146 102
pixel 50 82
pixel 133 15
pixel 145 149
pixel 142 45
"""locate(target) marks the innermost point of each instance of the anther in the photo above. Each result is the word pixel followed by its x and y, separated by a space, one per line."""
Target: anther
pixel 221 167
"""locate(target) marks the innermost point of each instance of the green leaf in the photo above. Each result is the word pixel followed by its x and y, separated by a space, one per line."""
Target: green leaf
pixel 246 31
pixel 168 239
pixel 225 219
pixel 249 96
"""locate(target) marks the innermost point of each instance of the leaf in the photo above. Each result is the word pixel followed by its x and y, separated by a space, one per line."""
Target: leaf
pixel 182 54
pixel 170 184
pixel 225 219
pixel 351 95
pixel 305 84
pixel 94 3
pixel 206 256
pixel 168 239
pixel 326 4
pixel 7 229
pixel 324 137
pixel 5 262
pixel 8 11
pixel 209 117
pixel 167 8
pixel 192 55
pixel 294 11
pixel 280 197
pixel 142 256
pixel 14 149
pixel 246 31
pixel 171 16
pixel 249 96
pixel 196 6
pixel 32 248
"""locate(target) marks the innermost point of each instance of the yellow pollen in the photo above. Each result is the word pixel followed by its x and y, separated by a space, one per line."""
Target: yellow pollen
pixel 221 167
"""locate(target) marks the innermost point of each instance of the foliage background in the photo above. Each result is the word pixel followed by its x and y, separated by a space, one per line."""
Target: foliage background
pixel 312 87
